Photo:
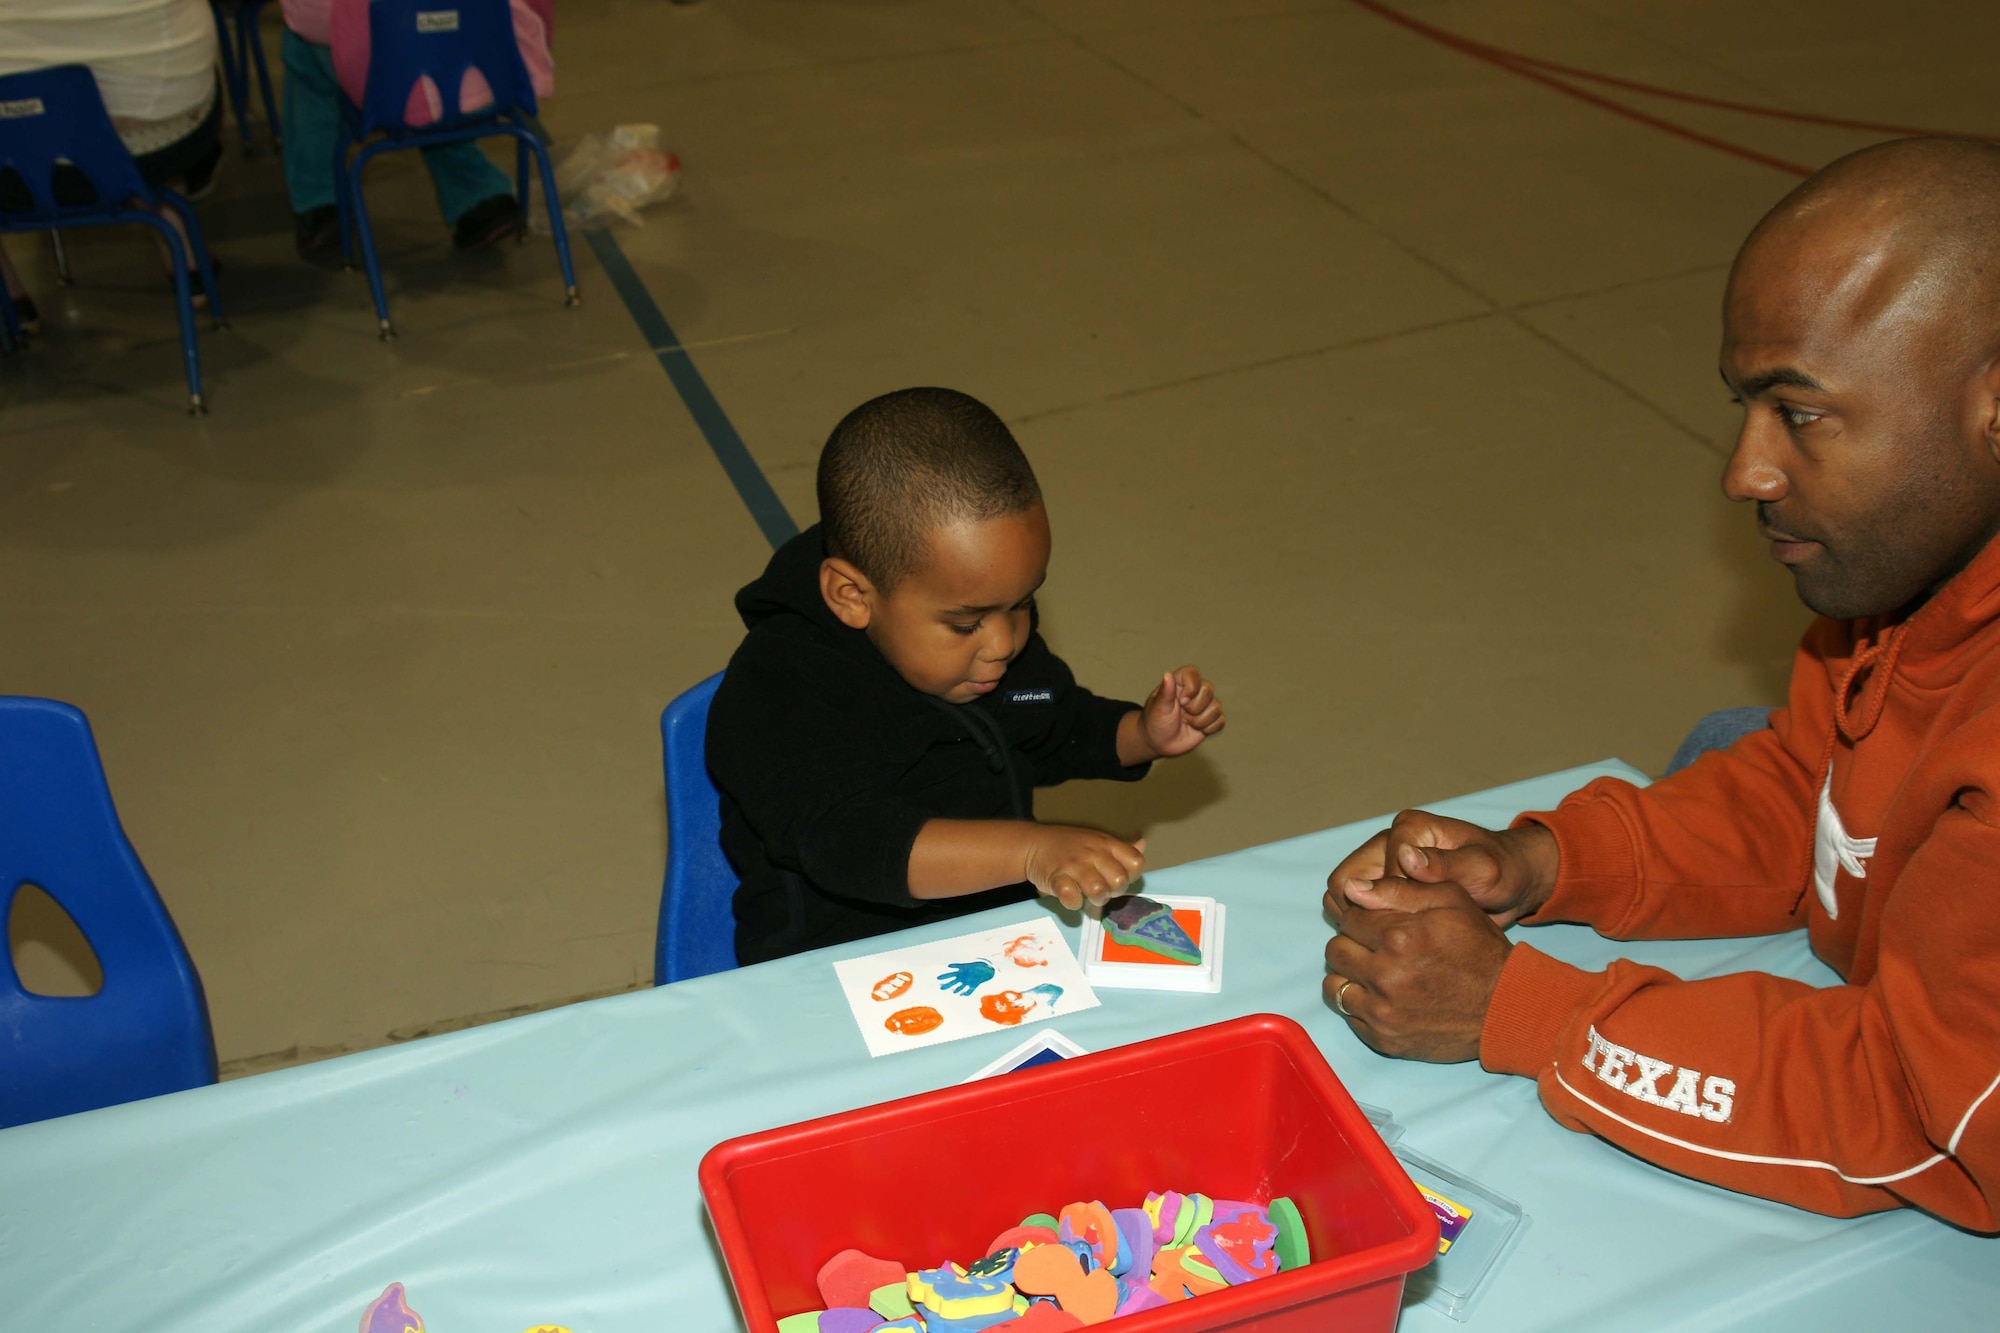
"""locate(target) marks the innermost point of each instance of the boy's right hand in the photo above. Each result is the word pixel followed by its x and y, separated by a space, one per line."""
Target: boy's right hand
pixel 1075 865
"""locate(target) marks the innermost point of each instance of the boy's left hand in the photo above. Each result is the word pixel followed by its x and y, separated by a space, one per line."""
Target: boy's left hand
pixel 1180 713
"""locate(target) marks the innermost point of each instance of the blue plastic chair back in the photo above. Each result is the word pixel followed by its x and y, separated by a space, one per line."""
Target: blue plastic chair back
pixel 697 906
pixel 146 1031
pixel 57 114
pixel 411 39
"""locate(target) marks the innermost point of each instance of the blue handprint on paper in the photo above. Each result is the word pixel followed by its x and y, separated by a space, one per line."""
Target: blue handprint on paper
pixel 965 978
pixel 1049 994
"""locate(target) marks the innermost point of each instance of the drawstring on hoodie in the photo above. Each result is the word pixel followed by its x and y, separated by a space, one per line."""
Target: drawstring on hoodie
pixel 999 757
pixel 1872 667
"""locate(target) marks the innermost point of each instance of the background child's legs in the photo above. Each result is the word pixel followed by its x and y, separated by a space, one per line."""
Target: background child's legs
pixel 461 172
pixel 311 113
pixel 464 176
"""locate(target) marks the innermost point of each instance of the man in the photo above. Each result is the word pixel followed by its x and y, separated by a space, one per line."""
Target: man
pixel 1861 332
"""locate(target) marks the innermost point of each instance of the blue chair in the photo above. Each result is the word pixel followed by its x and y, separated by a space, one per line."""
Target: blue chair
pixel 56 116
pixel 408 40
pixel 242 49
pixel 697 913
pixel 146 1031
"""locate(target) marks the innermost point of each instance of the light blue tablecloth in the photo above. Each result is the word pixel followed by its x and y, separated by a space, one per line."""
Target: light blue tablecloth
pixel 542 1170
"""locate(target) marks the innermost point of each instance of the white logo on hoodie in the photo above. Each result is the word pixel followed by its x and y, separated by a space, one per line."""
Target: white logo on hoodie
pixel 1834 850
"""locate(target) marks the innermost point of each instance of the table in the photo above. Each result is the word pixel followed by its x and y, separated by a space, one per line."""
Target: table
pixel 543 1169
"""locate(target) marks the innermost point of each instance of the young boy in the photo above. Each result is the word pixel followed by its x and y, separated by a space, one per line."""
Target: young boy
pixel 879 734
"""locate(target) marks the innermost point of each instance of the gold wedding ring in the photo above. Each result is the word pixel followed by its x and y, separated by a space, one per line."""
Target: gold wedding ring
pixel 1340 1008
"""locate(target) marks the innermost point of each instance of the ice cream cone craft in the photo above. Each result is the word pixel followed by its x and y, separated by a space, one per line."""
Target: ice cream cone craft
pixel 1145 924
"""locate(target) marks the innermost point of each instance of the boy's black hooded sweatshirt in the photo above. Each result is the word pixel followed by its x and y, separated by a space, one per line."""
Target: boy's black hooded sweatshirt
pixel 829 763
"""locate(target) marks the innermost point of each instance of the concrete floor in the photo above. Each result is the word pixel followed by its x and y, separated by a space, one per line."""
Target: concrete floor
pixel 1377 379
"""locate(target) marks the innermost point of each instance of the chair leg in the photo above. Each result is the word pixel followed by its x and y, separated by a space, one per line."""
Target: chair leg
pixel 234 84
pixel 554 205
pixel 184 298
pixel 62 260
pixel 342 202
pixel 202 264
pixel 254 36
pixel 367 238
pixel 523 191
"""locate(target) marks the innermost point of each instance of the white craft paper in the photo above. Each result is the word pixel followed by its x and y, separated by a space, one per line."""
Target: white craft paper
pixel 990 981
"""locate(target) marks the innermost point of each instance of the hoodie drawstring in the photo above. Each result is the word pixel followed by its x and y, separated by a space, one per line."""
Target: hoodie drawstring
pixel 1873 667
pixel 999 756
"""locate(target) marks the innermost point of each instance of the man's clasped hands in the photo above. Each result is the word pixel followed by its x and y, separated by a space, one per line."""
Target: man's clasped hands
pixel 1422 910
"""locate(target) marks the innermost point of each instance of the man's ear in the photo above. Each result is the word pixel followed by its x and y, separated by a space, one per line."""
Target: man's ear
pixel 1989 409
pixel 848 593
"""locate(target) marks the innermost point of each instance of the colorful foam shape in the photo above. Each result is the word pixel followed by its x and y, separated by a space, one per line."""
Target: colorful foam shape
pixel 849 1320
pixel 1145 924
pixel 1136 1230
pixel 1039 1220
pixel 1140 1297
pixel 390 1314
pixel 851 1277
pixel 1294 1250
pixel 1165 1210
pixel 947 1293
pixel 1180 1272
pixel 1238 1243
pixel 892 1299
pixel 970 1323
pixel 1045 1318
pixel 800 1323
pixel 998 1264
pixel 1056 1270
pixel 907 1324
pixel 1092 1224
pixel 1023 1236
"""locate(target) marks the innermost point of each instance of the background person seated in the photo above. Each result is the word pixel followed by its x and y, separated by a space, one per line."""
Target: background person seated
pixel 326 52
pixel 155 66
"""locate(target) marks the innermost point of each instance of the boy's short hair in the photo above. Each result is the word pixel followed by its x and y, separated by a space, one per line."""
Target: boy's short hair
pixel 900 466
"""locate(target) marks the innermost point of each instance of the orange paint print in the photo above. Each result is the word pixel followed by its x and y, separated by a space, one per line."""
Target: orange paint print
pixel 1005 1008
pixel 889 987
pixel 914 1021
pixel 1025 951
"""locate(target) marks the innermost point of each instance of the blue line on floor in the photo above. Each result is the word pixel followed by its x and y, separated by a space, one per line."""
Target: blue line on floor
pixel 749 480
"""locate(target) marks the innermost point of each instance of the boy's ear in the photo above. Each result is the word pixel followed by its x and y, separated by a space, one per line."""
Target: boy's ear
pixel 848 593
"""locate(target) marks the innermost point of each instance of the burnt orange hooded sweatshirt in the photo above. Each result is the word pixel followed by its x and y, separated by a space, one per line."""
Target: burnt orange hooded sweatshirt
pixel 1868 814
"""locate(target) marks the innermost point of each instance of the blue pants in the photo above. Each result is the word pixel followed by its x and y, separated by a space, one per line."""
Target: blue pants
pixel 1718 731
pixel 461 172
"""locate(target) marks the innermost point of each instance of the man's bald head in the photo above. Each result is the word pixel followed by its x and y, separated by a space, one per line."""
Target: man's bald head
pixel 1905 230
pixel 1862 332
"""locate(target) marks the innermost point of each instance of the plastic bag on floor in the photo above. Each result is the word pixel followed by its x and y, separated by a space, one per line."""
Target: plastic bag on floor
pixel 608 178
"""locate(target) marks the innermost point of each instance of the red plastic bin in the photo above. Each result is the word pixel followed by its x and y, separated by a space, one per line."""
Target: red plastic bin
pixel 1246 1109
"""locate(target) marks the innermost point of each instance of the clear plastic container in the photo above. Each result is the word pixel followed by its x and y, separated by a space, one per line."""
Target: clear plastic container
pixel 1477 1230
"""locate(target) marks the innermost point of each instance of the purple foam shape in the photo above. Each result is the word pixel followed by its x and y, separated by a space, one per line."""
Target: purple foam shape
pixel 390 1315
pixel 1141 1297
pixel 1137 1230
pixel 1230 1212
pixel 1170 1214
pixel 849 1319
